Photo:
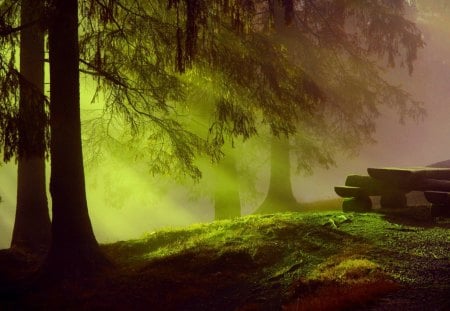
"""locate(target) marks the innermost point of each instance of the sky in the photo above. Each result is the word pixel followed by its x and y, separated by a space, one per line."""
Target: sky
pixel 129 203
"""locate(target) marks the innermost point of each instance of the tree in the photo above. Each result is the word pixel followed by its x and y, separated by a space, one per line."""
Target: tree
pixel 279 195
pixel 347 31
pixel 320 113
pixel 226 187
pixel 243 82
pixel 32 223
pixel 74 249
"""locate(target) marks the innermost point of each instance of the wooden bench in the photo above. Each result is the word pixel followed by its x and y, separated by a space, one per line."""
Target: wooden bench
pixel 392 185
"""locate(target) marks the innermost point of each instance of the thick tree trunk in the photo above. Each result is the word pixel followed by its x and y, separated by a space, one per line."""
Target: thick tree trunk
pixel 227 201
pixel 279 196
pixel 32 223
pixel 74 250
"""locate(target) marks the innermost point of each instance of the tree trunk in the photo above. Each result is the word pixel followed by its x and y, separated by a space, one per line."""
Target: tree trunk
pixel 32 222
pixel 74 251
pixel 227 201
pixel 279 196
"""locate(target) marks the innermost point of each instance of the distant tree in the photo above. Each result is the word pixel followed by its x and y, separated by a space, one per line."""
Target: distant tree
pixel 279 196
pixel 335 42
pixel 329 98
pixel 227 203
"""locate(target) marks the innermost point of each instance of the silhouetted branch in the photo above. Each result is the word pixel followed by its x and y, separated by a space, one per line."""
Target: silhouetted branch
pixel 7 30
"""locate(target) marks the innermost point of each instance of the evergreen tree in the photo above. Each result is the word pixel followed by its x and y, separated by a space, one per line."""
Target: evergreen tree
pixel 344 37
pixel 279 195
pixel 74 250
pixel 226 187
pixel 32 223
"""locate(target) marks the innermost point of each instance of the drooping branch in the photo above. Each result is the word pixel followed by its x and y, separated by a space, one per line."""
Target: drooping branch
pixel 7 30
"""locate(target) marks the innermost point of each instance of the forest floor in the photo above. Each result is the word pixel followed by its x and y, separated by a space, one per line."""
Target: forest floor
pixel 384 260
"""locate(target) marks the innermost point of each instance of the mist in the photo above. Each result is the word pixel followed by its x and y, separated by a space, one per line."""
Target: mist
pixel 126 202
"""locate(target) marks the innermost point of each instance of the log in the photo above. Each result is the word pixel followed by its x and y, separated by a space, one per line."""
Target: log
pixel 370 184
pixel 375 186
pixel 393 200
pixel 406 175
pixel 350 192
pixel 359 204
pixel 440 210
pixel 428 184
pixel 438 197
pixel 440 203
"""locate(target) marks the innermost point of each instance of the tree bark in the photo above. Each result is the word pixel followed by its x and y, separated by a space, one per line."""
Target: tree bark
pixel 74 251
pixel 32 222
pixel 279 196
pixel 227 201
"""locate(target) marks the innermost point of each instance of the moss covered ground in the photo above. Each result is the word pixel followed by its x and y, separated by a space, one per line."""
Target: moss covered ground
pixel 307 260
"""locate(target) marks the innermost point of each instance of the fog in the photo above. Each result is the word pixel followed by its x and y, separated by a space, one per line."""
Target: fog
pixel 125 203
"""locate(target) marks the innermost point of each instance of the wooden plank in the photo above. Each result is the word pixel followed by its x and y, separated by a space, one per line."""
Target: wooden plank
pixel 438 197
pixel 393 200
pixel 405 175
pixel 433 173
pixel 372 185
pixel 438 210
pixel 428 184
pixel 350 192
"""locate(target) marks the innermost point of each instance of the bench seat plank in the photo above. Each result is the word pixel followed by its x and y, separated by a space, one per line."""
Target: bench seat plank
pixel 350 192
pixel 394 174
pixel 438 197
pixel 429 184
pixel 372 185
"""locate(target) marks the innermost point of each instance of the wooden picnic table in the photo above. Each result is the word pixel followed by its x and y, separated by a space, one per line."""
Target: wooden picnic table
pixel 392 184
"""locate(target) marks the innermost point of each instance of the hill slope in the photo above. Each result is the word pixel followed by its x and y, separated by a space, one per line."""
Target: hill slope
pixel 290 261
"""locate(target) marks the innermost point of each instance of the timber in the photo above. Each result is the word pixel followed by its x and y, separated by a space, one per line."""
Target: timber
pixel 438 197
pixel 393 200
pixel 392 184
pixel 351 192
pixel 393 174
pixel 431 184
pixel 370 184
pixel 440 210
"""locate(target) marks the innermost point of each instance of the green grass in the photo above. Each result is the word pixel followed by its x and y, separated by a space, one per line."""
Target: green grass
pixel 245 259
pixel 296 261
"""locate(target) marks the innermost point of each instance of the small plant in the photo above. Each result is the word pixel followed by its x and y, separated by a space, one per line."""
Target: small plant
pixel 335 296
pixel 340 284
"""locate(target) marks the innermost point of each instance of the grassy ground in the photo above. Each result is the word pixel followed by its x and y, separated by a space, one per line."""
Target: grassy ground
pixel 324 260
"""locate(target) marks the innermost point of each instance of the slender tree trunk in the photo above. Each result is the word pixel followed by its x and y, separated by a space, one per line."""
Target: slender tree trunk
pixel 32 223
pixel 74 251
pixel 227 201
pixel 279 196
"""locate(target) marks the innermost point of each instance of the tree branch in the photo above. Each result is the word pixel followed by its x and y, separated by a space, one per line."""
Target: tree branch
pixel 8 30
